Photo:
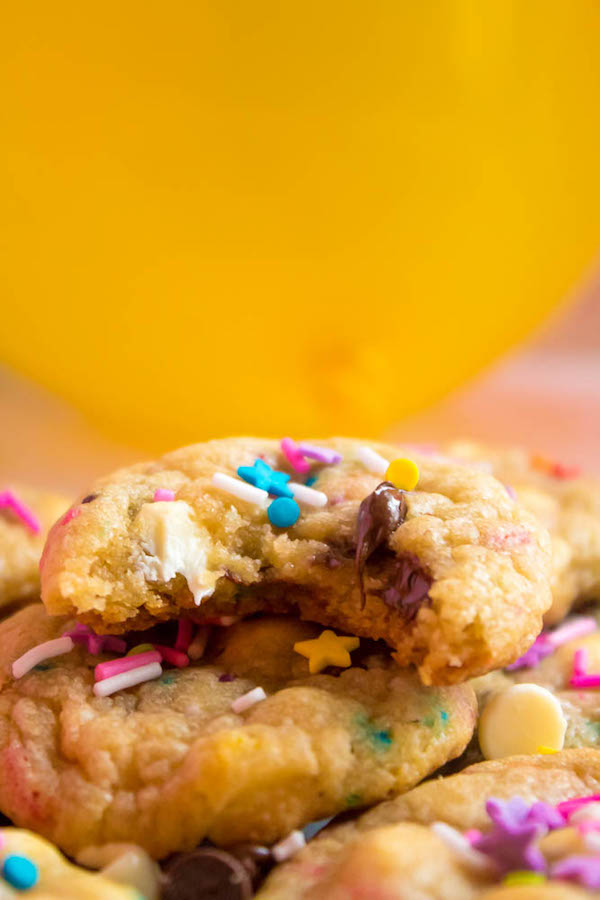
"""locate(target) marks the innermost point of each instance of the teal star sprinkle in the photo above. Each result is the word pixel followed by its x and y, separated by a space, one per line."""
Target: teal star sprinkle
pixel 267 479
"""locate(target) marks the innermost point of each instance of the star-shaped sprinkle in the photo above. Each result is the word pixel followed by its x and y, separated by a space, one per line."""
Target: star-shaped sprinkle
pixel 584 870
pixel 329 649
pixel 263 476
pixel 511 842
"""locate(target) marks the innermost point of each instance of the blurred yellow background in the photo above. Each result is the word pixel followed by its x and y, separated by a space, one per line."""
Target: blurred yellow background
pixel 316 217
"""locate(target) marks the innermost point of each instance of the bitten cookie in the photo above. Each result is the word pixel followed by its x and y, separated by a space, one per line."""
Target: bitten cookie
pixel 565 502
pixel 524 828
pixel 450 572
pixel 242 745
pixel 25 517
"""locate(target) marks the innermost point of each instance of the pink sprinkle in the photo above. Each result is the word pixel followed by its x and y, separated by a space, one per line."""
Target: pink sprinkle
pixel 70 514
pixel 94 644
pixel 585 681
pixel 125 664
pixel 577 628
pixel 568 807
pixel 180 660
pixel 185 630
pixel 290 449
pixel 580 663
pixel 586 827
pixel 163 494
pixel 473 834
pixel 321 454
pixel 560 470
pixel 8 500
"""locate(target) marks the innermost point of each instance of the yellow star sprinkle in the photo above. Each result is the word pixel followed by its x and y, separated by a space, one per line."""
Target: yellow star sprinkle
pixel 543 749
pixel 329 649
pixel 524 877
pixel 403 473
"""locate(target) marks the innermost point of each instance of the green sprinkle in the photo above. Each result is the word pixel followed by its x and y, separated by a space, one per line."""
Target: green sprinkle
pixel 353 799
pixel 524 877
pixel 168 678
pixel 429 721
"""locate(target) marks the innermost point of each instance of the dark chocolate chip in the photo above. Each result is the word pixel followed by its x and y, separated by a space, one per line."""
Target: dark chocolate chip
pixel 206 874
pixel 89 498
pixel 379 515
pixel 255 858
pixel 409 589
pixel 227 677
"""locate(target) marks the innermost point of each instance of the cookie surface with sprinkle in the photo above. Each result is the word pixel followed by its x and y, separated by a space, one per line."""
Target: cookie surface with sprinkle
pixel 465 837
pixel 167 763
pixel 453 575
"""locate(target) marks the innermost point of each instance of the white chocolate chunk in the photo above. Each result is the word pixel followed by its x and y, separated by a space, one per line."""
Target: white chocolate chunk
pixel 173 544
pixel 521 719
pixel 125 863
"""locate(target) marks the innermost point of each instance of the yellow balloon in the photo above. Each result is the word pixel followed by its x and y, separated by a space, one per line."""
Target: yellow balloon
pixel 288 217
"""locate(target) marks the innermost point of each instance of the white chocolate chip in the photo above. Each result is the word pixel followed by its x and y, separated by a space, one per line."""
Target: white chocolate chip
pixel 521 719
pixel 173 544
pixel 126 864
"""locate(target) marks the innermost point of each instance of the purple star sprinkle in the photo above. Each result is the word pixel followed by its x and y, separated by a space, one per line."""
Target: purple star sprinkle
pixel 517 825
pixel 538 651
pixel 585 870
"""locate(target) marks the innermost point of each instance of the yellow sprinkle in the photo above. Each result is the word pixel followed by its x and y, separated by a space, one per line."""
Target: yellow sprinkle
pixel 544 749
pixel 524 877
pixel 329 649
pixel 140 648
pixel 403 473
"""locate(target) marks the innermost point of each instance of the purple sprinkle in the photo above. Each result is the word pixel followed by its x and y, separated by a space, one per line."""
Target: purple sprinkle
pixel 511 492
pixel 227 677
pixel 89 498
pixel 321 454
pixel 517 826
pixel 585 870
pixel 540 648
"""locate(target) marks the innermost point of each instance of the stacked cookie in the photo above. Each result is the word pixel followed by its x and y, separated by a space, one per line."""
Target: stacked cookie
pixel 246 638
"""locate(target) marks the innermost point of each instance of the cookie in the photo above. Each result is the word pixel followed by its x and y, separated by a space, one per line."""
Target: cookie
pixel 197 752
pixel 26 515
pixel 555 669
pixel 32 867
pixel 565 502
pixel 452 574
pixel 514 829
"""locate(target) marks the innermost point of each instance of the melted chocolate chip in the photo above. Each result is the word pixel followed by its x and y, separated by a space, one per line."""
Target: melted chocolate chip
pixel 409 589
pixel 378 517
pixel 89 498
pixel 207 874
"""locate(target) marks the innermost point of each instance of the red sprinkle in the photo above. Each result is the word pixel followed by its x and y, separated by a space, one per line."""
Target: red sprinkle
pixel 174 657
pixel 185 630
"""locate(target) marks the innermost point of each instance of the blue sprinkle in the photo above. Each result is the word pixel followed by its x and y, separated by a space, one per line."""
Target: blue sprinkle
pixel 314 827
pixel 444 715
pixel 310 481
pixel 20 872
pixel 382 737
pixel 283 512
pixel 263 476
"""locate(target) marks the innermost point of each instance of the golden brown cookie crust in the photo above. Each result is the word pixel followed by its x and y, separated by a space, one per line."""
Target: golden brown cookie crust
pixel 483 559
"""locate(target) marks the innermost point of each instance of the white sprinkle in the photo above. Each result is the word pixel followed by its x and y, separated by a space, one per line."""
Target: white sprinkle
pixel 307 494
pixel 247 700
pixel 461 846
pixel 288 846
pixel 127 679
pixel 38 654
pixel 589 812
pixel 372 460
pixel 591 841
pixel 241 489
